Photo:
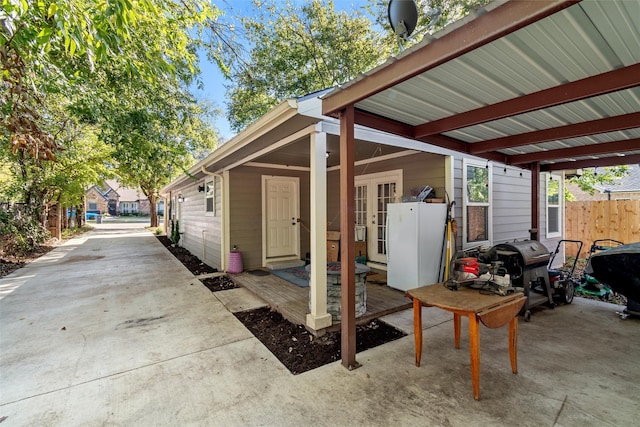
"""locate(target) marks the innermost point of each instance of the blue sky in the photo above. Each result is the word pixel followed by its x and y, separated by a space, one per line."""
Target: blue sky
pixel 214 82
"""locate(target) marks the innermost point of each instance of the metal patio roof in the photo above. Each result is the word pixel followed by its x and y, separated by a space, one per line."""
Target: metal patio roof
pixel 521 82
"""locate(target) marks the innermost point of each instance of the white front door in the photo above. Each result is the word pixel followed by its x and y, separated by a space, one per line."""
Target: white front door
pixel 281 209
pixel 373 192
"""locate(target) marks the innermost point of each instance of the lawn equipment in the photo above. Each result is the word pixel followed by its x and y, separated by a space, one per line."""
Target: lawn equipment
pixel 619 268
pixel 562 278
pixel 589 285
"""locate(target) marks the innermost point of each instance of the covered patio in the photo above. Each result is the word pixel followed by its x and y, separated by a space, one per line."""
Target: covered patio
pixel 293 301
pixel 545 85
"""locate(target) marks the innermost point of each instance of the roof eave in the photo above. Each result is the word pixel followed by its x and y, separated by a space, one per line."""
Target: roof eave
pixel 275 117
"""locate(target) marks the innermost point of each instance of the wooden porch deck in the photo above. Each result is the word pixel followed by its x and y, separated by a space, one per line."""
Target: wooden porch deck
pixel 293 301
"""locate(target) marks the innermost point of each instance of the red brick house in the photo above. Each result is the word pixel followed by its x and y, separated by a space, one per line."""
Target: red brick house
pixel 115 199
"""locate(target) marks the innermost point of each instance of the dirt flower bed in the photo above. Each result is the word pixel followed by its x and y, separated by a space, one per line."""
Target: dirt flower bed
pixel 190 261
pixel 10 264
pixel 220 283
pixel 301 351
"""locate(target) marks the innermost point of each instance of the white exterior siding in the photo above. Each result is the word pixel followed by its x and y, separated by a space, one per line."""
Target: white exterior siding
pixel 511 204
pixel 200 234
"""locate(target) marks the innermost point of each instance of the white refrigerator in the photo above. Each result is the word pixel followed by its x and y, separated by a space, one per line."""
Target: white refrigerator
pixel 415 239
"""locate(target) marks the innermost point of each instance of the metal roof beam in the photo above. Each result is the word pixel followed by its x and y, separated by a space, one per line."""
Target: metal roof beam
pixel 609 124
pixel 484 29
pixel 591 163
pixel 385 124
pixel 611 81
pixel 581 151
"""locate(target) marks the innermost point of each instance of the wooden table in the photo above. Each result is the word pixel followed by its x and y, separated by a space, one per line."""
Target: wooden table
pixel 492 310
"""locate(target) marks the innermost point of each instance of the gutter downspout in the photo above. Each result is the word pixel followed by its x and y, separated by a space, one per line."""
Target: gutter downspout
pixel 223 219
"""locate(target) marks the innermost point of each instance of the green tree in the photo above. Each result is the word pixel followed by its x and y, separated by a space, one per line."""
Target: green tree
pixel 69 64
pixel 163 135
pixel 298 50
pixel 433 15
pixel 52 46
pixel 593 177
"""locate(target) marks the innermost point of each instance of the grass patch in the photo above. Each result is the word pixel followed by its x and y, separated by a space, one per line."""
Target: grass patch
pixel 68 233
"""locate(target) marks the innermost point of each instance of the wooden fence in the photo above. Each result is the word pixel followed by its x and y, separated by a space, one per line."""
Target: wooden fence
pixel 602 219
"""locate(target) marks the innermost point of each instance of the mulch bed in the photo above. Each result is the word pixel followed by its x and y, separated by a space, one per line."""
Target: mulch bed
pixel 10 264
pixel 190 261
pixel 301 351
pixel 220 283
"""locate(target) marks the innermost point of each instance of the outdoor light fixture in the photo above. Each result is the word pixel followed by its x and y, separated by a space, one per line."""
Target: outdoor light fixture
pixel 180 198
pixel 200 188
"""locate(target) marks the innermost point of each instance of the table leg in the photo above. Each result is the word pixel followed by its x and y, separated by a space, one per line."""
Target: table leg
pixel 417 328
pixel 513 344
pixel 456 329
pixel 474 349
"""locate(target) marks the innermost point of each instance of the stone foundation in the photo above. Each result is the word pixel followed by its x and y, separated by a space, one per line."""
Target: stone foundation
pixel 334 289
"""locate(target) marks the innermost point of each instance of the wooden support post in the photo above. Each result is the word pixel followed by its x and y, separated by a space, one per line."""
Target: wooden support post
pixel 347 239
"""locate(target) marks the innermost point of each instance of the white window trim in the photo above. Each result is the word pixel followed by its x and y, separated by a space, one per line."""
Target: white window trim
pixel 466 203
pixel 560 204
pixel 210 196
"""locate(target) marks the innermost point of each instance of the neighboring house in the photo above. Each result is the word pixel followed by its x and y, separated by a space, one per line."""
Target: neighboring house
pixel 96 200
pixel 626 188
pixel 273 191
pixel 115 199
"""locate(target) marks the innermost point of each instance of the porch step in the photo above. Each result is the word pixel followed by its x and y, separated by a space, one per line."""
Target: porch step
pixel 277 265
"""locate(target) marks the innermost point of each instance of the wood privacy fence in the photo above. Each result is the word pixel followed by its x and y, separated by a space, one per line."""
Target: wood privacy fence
pixel 602 219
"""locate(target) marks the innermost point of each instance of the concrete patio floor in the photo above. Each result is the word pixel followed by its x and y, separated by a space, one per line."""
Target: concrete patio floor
pixel 110 329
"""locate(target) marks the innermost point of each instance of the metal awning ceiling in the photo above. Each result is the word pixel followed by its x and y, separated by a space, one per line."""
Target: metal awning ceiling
pixel 520 82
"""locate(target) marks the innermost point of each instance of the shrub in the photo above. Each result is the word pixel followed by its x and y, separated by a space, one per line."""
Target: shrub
pixel 175 232
pixel 20 231
pixel 68 233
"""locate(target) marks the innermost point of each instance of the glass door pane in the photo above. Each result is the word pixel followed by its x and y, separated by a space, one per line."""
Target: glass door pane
pixel 386 194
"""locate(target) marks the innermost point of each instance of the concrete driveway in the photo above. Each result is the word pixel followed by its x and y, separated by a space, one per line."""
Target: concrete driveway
pixel 109 329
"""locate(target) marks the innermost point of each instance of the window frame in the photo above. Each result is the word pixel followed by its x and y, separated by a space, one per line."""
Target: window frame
pixel 210 194
pixel 559 205
pixel 466 203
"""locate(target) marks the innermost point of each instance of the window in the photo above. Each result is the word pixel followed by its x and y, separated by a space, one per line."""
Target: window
pixel 93 205
pixel 129 207
pixel 554 213
pixel 477 203
pixel 210 198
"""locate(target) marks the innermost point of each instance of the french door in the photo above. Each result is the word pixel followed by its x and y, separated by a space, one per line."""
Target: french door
pixel 372 194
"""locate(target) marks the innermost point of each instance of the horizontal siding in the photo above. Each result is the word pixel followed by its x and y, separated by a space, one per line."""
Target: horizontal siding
pixel 201 234
pixel 511 204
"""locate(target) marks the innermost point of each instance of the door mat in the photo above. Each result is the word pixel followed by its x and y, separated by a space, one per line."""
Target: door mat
pixel 296 275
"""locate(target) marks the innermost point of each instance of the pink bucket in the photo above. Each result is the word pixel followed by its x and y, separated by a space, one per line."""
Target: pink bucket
pixel 235 262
